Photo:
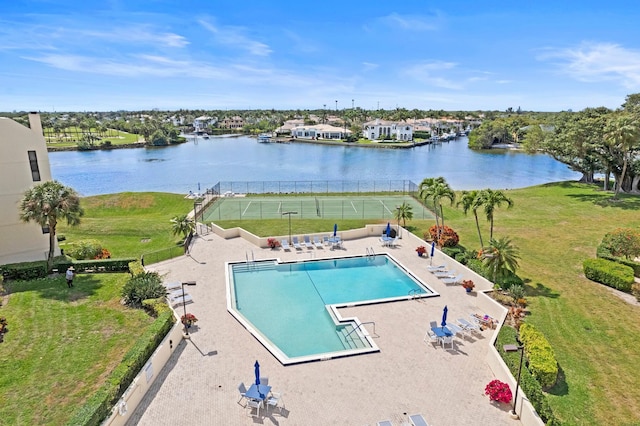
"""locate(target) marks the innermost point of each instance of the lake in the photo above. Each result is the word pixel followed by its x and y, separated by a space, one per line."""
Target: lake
pixel 200 163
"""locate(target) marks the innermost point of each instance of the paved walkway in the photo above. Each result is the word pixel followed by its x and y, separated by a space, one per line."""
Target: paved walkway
pixel 199 384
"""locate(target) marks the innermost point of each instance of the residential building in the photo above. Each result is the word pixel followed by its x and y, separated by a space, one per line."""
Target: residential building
pixel 24 162
pixel 235 122
pixel 202 123
pixel 384 129
pixel 319 131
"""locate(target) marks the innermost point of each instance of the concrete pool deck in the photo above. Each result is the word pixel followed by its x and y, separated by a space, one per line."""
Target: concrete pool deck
pixel 198 385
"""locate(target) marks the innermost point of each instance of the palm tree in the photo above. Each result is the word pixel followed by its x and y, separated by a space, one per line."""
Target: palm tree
pixel 470 200
pixel 404 211
pixel 622 133
pixel 436 189
pixel 47 202
pixel 501 256
pixel 491 200
pixel 183 225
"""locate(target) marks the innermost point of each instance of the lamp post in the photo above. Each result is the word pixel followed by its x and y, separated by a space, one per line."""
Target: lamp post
pixel 336 105
pixel 289 214
pixel 182 284
pixel 398 217
pixel 515 348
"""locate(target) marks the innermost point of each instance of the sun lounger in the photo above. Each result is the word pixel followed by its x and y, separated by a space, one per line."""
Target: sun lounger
pixel 445 274
pixel 285 245
pixel 307 242
pixel 454 280
pixel 454 329
pixel 317 243
pixel 436 268
pixel 179 301
pixel 468 325
pixel 418 420
pixel 296 243
pixel 172 286
pixel 384 423
pixel 484 320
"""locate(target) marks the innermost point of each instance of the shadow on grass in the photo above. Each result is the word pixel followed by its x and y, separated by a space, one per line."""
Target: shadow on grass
pixel 561 387
pixel 540 290
pixel 605 199
pixel 55 288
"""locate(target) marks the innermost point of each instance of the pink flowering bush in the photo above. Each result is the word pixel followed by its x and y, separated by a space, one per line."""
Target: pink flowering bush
pixel 498 391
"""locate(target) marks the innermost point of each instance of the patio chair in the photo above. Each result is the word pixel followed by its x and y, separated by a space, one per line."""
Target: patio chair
pixel 433 324
pixel 418 420
pixel 285 245
pixel 447 340
pixel 431 337
pixel 296 243
pixel 255 403
pixel 394 242
pixel 317 243
pixel 264 381
pixel 274 399
pixel 243 391
pixel 307 241
pixel 384 423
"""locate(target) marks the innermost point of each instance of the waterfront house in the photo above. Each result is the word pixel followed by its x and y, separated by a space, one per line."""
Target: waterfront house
pixel 202 123
pixel 319 131
pixel 385 129
pixel 234 122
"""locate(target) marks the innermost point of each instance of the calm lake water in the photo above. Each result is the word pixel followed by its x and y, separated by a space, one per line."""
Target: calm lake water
pixel 184 168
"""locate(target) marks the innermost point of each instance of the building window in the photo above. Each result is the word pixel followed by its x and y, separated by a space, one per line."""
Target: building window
pixel 33 163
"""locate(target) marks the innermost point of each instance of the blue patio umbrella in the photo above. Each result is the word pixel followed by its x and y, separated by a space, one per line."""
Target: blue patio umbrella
pixel 433 250
pixel 388 230
pixel 257 366
pixel 335 229
pixel 444 318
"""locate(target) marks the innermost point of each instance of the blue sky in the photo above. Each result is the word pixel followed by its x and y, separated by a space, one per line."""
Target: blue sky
pixel 450 55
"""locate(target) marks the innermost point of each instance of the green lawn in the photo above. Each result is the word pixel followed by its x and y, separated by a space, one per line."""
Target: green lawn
pixel 62 343
pixel 130 223
pixel 595 334
pixel 73 135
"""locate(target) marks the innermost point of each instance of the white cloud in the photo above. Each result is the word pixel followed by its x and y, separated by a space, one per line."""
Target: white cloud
pixel 430 73
pixel 412 22
pixel 232 36
pixel 368 66
pixel 594 62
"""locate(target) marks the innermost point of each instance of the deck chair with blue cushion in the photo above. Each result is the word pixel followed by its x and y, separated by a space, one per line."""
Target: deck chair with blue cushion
pixel 418 420
pixel 296 243
pixel 384 423
pixel 307 241
pixel 285 245
pixel 317 242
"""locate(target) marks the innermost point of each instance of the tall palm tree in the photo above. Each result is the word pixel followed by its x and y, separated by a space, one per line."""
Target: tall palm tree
pixel 403 212
pixel 622 133
pixel 48 202
pixel 183 225
pixel 436 189
pixel 501 256
pixel 491 200
pixel 470 200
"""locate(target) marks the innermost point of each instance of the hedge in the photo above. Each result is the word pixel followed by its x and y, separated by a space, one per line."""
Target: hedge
pixel 109 265
pixel 603 253
pixel 528 383
pixel 25 271
pixel 136 267
pixel 542 361
pixel 98 406
pixel 610 273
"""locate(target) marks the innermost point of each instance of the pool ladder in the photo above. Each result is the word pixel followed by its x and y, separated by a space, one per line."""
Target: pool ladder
pixel 414 292
pixel 370 252
pixel 251 262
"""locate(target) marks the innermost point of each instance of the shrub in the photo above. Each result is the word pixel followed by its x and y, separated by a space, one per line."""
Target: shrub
pixel 147 285
pixel 498 391
pixel 60 237
pixel 448 237
pixel 623 242
pixel 25 271
pixel 136 267
pixel 609 273
pixel 155 307
pixel 529 384
pixel 516 291
pixel 542 361
pixel 603 253
pixel 508 280
pixel 84 249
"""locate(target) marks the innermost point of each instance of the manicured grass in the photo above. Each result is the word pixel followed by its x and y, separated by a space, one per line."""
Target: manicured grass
pixel 74 134
pixel 128 224
pixel 61 345
pixel 594 334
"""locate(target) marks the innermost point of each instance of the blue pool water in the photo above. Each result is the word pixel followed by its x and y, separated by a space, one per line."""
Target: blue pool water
pixel 286 302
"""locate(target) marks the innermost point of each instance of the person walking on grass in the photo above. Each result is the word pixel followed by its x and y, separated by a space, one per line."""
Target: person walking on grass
pixel 69 275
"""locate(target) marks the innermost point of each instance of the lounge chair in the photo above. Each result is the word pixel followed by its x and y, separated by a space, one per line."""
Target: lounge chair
pixel 455 280
pixel 285 245
pixel 436 268
pixel 243 391
pixel 384 423
pixel 173 286
pixel 317 243
pixel 326 241
pixel 418 420
pixel 454 329
pixel 179 300
pixel 296 243
pixel 445 274
pixel 470 326
pixel 307 242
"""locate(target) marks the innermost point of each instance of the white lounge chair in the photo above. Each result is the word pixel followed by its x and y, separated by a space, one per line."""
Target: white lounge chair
pixel 296 243
pixel 436 268
pixel 384 423
pixel 285 245
pixel 431 337
pixel 394 242
pixel 307 242
pixel 418 420
pixel 179 300
pixel 326 241
pixel 471 326
pixel 317 243
pixel 173 286
pixel 455 280
pixel 445 274
pixel 454 329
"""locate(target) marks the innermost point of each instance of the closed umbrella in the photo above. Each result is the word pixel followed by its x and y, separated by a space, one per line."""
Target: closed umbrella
pixel 444 318
pixel 433 250
pixel 335 229
pixel 388 230
pixel 257 367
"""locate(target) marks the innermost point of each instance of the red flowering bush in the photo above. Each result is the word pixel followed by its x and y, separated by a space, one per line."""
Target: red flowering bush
pixel 188 319
pixel 448 237
pixel 273 243
pixel 498 391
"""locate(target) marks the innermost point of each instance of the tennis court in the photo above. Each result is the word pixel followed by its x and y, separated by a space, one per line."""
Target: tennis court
pixel 310 207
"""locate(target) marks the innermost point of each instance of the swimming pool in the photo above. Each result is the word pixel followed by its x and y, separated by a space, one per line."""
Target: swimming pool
pixel 293 307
